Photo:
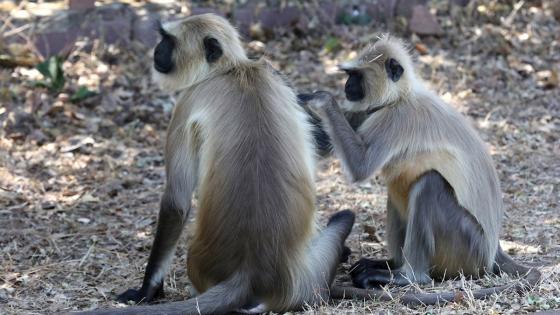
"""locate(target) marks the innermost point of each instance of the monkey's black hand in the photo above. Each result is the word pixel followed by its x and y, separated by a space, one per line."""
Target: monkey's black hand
pixel 372 278
pixel 319 101
pixel 370 273
pixel 303 98
pixel 142 295
pixel 322 140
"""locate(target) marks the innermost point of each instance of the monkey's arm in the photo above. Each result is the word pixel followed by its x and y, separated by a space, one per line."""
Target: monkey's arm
pixel 359 159
pixel 347 143
pixel 182 169
pixel 322 139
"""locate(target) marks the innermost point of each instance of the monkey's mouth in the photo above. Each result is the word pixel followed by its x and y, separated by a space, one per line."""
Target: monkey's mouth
pixel 163 55
pixel 162 61
pixel 165 68
pixel 353 96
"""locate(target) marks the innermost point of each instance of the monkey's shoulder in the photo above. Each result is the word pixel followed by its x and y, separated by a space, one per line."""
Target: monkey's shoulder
pixel 253 74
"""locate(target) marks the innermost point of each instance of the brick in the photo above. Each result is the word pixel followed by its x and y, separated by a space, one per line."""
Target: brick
pixel 81 4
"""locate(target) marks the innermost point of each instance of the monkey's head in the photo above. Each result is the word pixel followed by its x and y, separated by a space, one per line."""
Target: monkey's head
pixel 195 48
pixel 380 75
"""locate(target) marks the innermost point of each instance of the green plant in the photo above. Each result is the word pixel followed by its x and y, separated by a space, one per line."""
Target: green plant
pixel 332 44
pixel 52 70
pixel 81 94
pixel 354 18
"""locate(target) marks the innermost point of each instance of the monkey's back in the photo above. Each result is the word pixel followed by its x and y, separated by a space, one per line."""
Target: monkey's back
pixel 436 136
pixel 256 188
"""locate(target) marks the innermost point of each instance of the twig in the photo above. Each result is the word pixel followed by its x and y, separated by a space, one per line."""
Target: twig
pixel 511 16
pixel 15 31
pixel 36 269
pixel 8 20
pixel 90 249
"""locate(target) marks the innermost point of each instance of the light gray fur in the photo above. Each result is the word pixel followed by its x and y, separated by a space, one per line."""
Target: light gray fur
pixel 419 143
pixel 239 138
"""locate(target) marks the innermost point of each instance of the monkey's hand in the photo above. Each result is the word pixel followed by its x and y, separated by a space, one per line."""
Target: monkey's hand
pixel 141 296
pixel 320 101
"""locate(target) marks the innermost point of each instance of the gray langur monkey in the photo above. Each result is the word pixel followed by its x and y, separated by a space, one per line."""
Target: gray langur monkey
pixel 444 207
pixel 238 136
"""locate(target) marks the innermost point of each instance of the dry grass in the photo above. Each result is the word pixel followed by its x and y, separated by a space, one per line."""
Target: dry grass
pixel 79 195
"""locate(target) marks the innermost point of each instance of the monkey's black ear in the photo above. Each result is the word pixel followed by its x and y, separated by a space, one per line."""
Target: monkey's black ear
pixel 212 49
pixel 394 69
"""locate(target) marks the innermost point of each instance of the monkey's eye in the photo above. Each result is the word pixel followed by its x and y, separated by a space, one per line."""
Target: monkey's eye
pixel 212 49
pixel 394 69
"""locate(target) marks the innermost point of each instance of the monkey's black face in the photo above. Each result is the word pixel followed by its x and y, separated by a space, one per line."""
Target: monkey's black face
pixel 163 54
pixel 354 88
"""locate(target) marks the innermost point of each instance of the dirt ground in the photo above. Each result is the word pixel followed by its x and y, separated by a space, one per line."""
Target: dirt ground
pixel 80 182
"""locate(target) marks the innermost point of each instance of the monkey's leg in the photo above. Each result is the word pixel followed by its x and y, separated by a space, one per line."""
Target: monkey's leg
pixel 325 253
pixel 182 169
pixel 171 221
pixel 439 231
pixel 416 247
pixel 396 231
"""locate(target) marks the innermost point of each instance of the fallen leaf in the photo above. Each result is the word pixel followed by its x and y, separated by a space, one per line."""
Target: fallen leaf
pixel 421 48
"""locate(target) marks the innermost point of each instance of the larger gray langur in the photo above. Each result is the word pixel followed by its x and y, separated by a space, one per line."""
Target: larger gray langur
pixel 238 136
pixel 444 208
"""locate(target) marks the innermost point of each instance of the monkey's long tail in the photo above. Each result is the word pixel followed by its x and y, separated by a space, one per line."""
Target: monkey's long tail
pixel 223 298
pixel 504 263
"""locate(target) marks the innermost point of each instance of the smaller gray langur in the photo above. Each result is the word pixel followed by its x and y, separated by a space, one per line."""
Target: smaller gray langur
pixel 444 208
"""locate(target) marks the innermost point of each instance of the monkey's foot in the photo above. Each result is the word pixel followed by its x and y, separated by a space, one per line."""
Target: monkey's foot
pixel 368 263
pixel 367 273
pixel 140 296
pixel 253 309
pixel 365 282
pixel 131 295
pixel 373 278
